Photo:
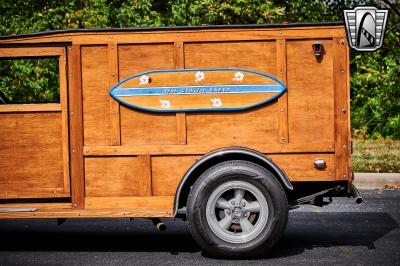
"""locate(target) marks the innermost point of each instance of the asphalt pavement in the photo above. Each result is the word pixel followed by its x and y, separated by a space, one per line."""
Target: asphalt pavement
pixel 341 233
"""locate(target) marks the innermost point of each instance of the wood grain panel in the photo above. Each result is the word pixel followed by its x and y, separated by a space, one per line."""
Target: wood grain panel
pixel 310 92
pixel 76 127
pixel 300 167
pixel 138 128
pixel 168 172
pixel 96 100
pixel 259 56
pixel 130 203
pixel 203 148
pixel 245 128
pixel 57 213
pixel 37 107
pixel 112 177
pixel 226 34
pixel 342 117
pixel 258 125
pixel 114 105
pixel 283 99
pixel 134 59
pixel 31 157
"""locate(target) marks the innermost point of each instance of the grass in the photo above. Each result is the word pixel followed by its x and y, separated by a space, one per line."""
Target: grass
pixel 379 156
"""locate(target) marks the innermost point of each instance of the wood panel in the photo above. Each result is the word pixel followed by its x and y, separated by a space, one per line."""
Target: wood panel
pixel 310 92
pixel 55 213
pixel 300 167
pixel 112 177
pixel 161 36
pixel 62 66
pixel 138 128
pixel 31 157
pixel 144 175
pixel 283 99
pixel 39 206
pixel 31 51
pixel 168 172
pixel 76 127
pixel 37 107
pixel 114 105
pixel 130 203
pixel 203 148
pixel 245 128
pixel 96 100
pixel 341 109
pixel 259 56
pixel 258 125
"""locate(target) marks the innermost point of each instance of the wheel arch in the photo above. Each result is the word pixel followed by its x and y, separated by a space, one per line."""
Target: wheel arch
pixel 221 155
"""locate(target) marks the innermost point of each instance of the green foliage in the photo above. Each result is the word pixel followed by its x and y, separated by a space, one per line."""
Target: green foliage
pixel 30 80
pixel 374 78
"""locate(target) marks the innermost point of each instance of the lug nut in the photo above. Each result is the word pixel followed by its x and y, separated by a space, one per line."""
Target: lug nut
pixel 233 202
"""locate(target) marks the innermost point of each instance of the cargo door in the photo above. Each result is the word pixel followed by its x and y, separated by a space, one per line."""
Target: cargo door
pixel 34 160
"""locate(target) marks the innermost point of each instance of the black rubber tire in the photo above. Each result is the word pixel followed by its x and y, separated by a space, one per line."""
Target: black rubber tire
pixel 245 171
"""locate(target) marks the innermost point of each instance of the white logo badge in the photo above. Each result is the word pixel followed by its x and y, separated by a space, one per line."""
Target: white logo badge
pixel 365 26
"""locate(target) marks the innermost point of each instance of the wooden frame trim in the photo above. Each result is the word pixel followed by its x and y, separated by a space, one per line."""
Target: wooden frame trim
pixel 54 213
pixel 145 175
pixel 176 149
pixel 62 62
pixel 48 193
pixel 76 127
pixel 283 127
pixel 114 105
pixel 181 129
pixel 34 107
pixel 342 147
pixel 301 32
pixel 32 52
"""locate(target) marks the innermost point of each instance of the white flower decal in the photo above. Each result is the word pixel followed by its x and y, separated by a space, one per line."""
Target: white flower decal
pixel 166 104
pixel 144 79
pixel 199 76
pixel 238 76
pixel 216 102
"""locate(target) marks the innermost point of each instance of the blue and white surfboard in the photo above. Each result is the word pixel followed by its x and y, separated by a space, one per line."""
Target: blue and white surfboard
pixel 190 90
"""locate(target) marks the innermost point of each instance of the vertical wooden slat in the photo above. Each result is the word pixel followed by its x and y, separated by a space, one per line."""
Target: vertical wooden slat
pixel 342 149
pixel 283 100
pixel 114 105
pixel 62 65
pixel 181 128
pixel 181 134
pixel 144 173
pixel 76 127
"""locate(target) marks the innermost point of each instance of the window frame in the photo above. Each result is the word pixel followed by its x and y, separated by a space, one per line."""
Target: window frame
pixel 35 52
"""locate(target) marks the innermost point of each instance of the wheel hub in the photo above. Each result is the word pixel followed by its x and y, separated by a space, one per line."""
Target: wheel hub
pixel 237 211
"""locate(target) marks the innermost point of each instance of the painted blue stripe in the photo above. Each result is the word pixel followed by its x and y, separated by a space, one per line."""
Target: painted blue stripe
pixel 208 89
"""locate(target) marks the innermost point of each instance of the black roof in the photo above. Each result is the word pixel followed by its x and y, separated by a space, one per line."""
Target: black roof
pixel 237 26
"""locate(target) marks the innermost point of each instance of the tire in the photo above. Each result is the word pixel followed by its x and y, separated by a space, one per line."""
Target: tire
pixel 217 214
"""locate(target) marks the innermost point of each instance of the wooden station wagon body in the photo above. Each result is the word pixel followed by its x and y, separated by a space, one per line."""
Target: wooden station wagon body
pixel 134 129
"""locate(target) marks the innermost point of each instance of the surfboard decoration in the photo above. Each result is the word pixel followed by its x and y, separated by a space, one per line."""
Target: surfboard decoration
pixel 191 90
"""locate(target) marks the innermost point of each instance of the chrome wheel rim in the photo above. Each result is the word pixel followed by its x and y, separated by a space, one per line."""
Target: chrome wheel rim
pixel 237 212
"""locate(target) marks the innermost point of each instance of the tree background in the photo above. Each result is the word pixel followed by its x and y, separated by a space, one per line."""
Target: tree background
pixel 375 77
